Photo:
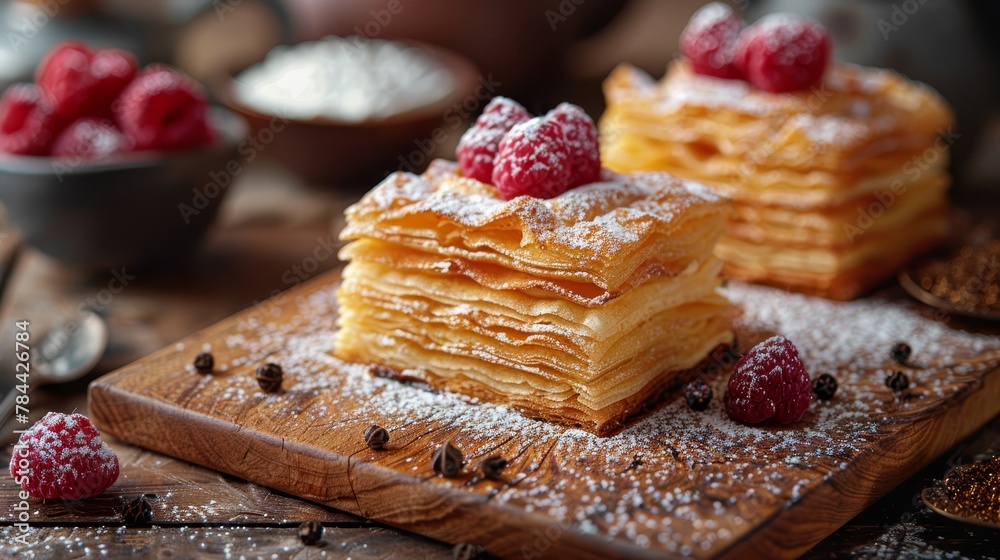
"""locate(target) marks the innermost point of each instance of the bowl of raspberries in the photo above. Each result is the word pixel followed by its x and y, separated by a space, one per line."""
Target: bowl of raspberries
pixel 105 163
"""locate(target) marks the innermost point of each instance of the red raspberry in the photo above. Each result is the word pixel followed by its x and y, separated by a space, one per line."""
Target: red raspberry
pixel 26 125
pixel 533 159
pixel 163 109
pixel 581 138
pixel 770 381
pixel 112 70
pixel 65 79
pixel 90 138
pixel 783 52
pixel 79 82
pixel 709 41
pixel 63 456
pixel 478 147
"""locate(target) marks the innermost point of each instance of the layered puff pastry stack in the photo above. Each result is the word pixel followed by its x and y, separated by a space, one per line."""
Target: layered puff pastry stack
pixel 835 187
pixel 577 309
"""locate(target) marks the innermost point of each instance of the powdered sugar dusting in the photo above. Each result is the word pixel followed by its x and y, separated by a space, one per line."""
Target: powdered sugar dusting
pixel 678 481
pixel 836 114
pixel 599 222
pixel 709 16
pixel 67 458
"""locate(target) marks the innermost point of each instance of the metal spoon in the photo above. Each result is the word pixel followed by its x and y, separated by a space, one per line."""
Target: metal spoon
pixel 912 287
pixel 934 495
pixel 64 354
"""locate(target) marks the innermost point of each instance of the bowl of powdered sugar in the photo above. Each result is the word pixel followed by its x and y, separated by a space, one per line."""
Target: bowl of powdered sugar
pixel 346 109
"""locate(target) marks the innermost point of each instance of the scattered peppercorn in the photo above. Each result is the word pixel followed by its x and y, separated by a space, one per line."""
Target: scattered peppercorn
pixel 635 464
pixel 311 532
pixel 269 377
pixel 825 386
pixel 897 381
pixel 491 466
pixel 901 352
pixel 382 371
pixel 376 436
pixel 447 460
pixel 698 394
pixel 137 512
pixel 204 362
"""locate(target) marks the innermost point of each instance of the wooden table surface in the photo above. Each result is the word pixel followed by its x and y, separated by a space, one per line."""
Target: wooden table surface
pixel 273 234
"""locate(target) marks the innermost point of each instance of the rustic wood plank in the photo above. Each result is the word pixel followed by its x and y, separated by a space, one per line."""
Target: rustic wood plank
pixel 179 493
pixel 10 248
pixel 901 526
pixel 565 492
pixel 58 543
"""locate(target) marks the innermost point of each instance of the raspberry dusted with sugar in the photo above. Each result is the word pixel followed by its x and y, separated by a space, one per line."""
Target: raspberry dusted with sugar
pixel 25 121
pixel 709 41
pixel 478 147
pixel 89 138
pixel 534 160
pixel 770 381
pixel 63 456
pixel 784 52
pixel 581 139
pixel 163 109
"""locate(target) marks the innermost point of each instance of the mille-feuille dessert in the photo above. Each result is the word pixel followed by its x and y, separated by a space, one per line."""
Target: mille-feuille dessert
pixel 837 172
pixel 526 275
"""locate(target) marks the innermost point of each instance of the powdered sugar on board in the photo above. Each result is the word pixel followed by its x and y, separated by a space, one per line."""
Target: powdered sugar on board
pixel 686 482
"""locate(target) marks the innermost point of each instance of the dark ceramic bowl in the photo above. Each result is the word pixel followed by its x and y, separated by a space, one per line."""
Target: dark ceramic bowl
pixel 326 151
pixel 146 208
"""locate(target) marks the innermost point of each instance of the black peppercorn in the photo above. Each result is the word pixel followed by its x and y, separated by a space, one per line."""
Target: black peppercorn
pixel 825 386
pixel 447 460
pixel 269 377
pixel 491 466
pixel 901 352
pixel 137 512
pixel 376 436
pixel 311 532
pixel 204 362
pixel 698 394
pixel 897 381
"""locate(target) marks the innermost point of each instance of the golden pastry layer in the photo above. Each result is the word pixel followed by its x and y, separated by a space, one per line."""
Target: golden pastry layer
pixel 577 309
pixel 833 187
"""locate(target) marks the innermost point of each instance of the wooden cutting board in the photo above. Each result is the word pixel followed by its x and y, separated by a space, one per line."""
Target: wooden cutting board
pixel 676 482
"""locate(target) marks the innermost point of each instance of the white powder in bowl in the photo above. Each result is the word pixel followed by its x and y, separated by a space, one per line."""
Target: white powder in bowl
pixel 344 79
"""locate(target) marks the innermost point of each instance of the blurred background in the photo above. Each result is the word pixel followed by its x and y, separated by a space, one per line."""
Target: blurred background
pixel 276 194
pixel 275 191
pixel 540 52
